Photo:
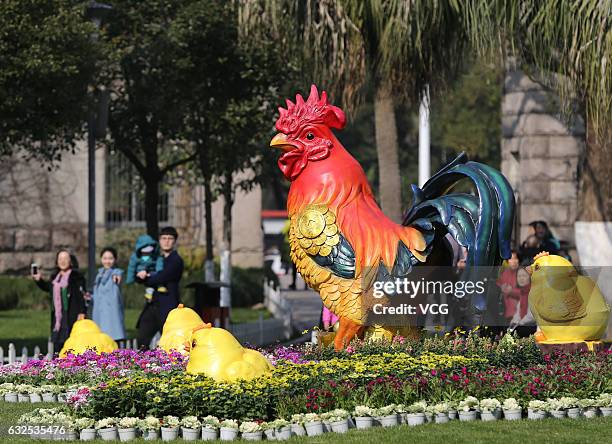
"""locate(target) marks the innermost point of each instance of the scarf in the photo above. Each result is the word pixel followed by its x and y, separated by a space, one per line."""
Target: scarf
pixel 60 282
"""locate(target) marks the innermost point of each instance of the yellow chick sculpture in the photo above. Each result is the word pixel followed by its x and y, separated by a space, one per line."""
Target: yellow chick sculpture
pixel 216 353
pixel 566 306
pixel 86 335
pixel 176 333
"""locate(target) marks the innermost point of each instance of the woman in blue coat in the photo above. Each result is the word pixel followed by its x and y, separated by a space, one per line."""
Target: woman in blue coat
pixel 107 300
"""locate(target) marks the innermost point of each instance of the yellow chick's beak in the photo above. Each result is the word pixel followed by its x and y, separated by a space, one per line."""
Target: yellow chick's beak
pixel 282 141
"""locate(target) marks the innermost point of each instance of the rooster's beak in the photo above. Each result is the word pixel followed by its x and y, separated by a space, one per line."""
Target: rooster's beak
pixel 281 141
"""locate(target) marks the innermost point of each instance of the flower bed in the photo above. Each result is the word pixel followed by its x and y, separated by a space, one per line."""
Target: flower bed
pixel 314 389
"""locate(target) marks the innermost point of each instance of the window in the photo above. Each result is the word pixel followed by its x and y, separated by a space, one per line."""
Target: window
pixel 125 194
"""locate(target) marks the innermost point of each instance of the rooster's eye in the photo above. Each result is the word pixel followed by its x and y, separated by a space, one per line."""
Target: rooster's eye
pixel 310 136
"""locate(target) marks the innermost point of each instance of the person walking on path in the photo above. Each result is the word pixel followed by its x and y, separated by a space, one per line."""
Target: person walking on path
pixel 66 288
pixel 166 283
pixel 106 297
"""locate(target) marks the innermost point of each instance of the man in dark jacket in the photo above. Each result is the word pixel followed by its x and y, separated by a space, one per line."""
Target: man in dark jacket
pixel 166 283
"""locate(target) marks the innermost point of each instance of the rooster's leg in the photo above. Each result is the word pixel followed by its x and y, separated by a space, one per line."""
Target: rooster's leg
pixel 345 334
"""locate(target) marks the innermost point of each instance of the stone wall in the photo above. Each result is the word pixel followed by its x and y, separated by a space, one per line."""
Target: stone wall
pixel 540 155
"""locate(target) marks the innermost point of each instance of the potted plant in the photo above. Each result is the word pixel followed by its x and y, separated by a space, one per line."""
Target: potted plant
pixel 297 424
pixel 85 426
pixel 127 428
pixel 441 412
pixel 9 392
pixel 150 428
pixel 49 393
pixel 604 402
pixel 107 429
pixel 170 428
pixel 282 430
pixel 313 424
pixel 228 429
pixel 415 413
pixel 571 405
pixel 268 430
pixel 467 409
pixel 588 407
pixel 35 394
pixel 490 409
pixel 556 408
pixel 452 411
pixel 388 416
pixel 210 428
pixel 326 423
pixel 190 428
pixel 339 420
pixel 400 409
pixel 512 409
pixel 363 416
pixel 23 392
pixel 537 409
pixel 251 431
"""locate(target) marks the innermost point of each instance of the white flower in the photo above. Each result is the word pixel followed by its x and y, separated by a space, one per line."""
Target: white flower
pixel 277 424
pixel 298 418
pixel 604 400
pixel 128 422
pixel 386 410
pixel 229 424
pixel 106 423
pixel 84 423
pixel 400 408
pixel 469 403
pixel 363 410
pixel 554 405
pixel 586 403
pixel 569 402
pixel 511 404
pixel 338 415
pixel 489 404
pixel 538 405
pixel 191 422
pixel 417 407
pixel 249 427
pixel 210 422
pixel 311 417
pixel 170 422
pixel 441 407
pixel 150 423
pixel 23 389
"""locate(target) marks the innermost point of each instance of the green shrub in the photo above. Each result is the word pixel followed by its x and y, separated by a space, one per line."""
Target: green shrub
pixel 21 292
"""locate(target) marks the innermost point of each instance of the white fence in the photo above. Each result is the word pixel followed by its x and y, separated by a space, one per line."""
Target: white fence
pixel 10 356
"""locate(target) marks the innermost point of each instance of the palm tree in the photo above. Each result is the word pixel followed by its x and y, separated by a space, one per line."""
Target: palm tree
pixel 402 45
pixel 572 39
pixel 399 46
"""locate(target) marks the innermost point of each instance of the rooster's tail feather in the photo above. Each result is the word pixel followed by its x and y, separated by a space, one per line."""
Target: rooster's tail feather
pixel 481 222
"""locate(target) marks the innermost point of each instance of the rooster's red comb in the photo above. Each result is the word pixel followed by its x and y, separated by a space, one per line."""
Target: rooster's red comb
pixel 315 110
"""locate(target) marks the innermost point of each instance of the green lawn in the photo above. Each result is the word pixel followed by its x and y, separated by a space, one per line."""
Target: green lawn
pixel 28 328
pixel 593 431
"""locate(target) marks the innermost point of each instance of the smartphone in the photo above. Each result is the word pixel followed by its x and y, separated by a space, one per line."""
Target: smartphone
pixel 34 269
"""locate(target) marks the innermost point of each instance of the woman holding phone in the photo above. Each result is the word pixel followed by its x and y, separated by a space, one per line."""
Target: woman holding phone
pixel 66 288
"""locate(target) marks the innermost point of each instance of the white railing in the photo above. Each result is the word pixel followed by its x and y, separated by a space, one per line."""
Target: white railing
pixel 279 307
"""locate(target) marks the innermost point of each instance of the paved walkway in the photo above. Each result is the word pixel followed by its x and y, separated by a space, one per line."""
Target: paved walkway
pixel 306 308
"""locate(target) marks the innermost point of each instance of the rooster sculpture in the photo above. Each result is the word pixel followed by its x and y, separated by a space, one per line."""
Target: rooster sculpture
pixel 341 241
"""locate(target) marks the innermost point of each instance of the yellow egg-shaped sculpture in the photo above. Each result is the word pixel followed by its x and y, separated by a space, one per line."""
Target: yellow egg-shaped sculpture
pixel 567 307
pixel 86 335
pixel 176 333
pixel 216 353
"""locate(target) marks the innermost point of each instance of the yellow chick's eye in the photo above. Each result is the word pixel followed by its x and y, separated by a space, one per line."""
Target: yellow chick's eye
pixel 537 267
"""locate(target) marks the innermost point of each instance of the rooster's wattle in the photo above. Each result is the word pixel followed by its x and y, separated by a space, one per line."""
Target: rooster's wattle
pixel 340 239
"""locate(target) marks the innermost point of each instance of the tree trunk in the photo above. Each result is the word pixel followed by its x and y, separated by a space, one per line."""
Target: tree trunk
pixel 595 195
pixel 389 189
pixel 152 204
